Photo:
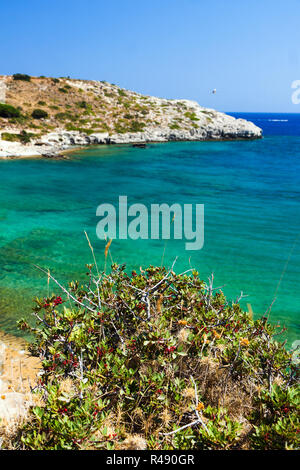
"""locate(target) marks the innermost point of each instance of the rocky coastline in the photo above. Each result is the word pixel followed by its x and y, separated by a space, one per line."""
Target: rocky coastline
pixel 211 126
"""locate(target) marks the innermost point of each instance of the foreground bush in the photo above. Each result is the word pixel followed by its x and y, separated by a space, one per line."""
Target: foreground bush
pixel 160 361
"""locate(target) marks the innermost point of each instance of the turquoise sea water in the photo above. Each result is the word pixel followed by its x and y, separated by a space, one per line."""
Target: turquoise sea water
pixel 251 193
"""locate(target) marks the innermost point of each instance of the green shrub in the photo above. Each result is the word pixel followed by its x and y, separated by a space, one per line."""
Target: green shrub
pixel 82 104
pixel 109 94
pixel 121 92
pixel 161 355
pixel 8 111
pixel 174 126
pixel 67 115
pixel 136 126
pixel 191 116
pixel 39 114
pixel 9 137
pixel 22 76
pixel 122 126
pixel 21 120
pixel 88 131
pixel 276 418
pixel 24 137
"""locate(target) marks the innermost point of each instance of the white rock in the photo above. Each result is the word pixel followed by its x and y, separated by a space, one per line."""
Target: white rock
pixel 100 137
pixel 13 405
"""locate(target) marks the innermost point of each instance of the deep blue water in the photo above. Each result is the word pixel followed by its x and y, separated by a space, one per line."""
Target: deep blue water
pixel 284 124
pixel 251 193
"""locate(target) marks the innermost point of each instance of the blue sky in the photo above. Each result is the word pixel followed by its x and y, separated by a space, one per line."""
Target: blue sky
pixel 248 50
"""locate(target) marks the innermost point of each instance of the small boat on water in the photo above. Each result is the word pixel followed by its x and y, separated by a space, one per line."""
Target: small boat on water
pixel 141 146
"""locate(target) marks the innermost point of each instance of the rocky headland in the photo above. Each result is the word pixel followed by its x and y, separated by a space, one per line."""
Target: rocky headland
pixel 47 116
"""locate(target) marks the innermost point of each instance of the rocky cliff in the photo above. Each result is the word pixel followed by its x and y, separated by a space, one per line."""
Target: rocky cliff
pixel 52 115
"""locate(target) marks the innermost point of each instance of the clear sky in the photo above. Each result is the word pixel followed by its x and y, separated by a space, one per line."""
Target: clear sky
pixel 249 50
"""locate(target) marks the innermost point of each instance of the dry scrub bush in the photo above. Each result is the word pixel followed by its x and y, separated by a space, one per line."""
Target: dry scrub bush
pixel 158 360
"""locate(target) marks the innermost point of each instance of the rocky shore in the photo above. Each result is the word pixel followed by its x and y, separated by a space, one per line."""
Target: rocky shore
pixel 167 120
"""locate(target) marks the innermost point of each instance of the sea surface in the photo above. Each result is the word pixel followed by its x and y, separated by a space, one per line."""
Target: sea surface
pixel 251 193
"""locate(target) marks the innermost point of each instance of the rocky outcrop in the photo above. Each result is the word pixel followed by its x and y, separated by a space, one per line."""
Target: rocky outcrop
pixel 205 124
pixel 239 129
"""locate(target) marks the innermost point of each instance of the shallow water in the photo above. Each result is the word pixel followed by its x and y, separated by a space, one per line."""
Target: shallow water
pixel 251 193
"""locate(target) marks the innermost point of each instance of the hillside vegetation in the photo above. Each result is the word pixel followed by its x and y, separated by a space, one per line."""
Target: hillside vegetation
pixel 40 104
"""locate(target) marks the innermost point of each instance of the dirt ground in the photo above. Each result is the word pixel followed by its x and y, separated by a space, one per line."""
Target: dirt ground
pixel 18 374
